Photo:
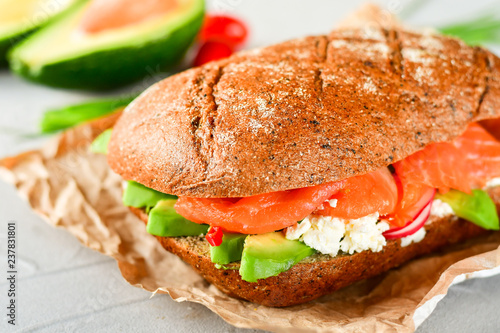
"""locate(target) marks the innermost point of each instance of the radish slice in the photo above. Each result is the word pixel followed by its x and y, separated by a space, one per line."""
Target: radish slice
pixel 413 226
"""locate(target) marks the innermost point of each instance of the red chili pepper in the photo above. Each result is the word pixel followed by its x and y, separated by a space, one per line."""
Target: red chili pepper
pixel 225 29
pixel 210 51
pixel 214 236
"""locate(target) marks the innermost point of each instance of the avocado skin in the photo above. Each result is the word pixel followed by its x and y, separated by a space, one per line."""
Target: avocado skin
pixel 113 68
pixel 6 44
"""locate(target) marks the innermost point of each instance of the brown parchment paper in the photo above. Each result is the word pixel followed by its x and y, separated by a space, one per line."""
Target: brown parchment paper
pixel 74 189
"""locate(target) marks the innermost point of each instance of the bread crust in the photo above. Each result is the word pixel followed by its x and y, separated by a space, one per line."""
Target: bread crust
pixel 303 112
pixel 311 279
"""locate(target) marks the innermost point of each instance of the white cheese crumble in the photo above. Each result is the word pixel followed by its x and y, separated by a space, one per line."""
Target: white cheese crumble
pixel 333 203
pixel 413 238
pixel 441 209
pixel 329 235
pixel 321 233
pixel 364 234
pixel 493 183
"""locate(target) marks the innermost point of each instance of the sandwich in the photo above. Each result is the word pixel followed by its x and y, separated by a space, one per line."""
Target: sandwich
pixel 284 173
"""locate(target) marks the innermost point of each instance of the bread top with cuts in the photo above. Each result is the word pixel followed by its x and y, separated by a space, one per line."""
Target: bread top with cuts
pixel 303 112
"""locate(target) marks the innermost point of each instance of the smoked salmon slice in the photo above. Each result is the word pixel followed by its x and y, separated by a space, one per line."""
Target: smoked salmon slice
pixel 356 197
pixel 257 214
pixel 363 195
pixel 466 163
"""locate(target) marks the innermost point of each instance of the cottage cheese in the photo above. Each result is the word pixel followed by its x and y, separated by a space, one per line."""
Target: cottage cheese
pixel 329 235
pixel 493 183
pixel 414 238
pixel 441 209
pixel 333 203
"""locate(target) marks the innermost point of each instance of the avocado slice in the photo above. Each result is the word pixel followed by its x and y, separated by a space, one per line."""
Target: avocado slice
pixel 18 18
pixel 230 249
pixel 69 116
pixel 140 196
pixel 57 55
pixel 100 144
pixel 164 221
pixel 477 207
pixel 269 254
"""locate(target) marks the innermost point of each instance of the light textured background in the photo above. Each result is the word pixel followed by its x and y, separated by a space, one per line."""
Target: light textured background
pixel 65 287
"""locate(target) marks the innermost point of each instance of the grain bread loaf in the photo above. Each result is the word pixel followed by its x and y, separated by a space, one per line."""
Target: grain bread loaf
pixel 318 275
pixel 303 112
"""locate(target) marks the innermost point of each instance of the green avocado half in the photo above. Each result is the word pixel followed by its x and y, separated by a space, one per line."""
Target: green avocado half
pixel 59 55
pixel 19 18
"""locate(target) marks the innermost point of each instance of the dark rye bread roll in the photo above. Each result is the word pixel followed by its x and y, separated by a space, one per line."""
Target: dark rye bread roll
pixel 303 112
pixel 319 274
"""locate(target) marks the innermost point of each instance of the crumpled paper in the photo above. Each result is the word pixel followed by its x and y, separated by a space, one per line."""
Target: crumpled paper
pixel 74 189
